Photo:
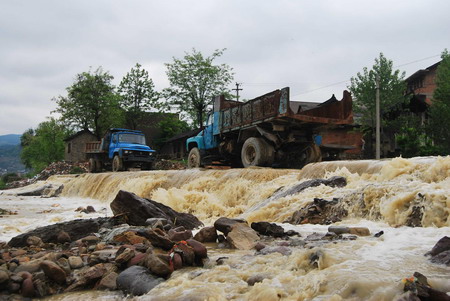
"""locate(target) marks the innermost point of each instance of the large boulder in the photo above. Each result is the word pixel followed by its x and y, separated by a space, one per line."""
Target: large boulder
pixel 242 237
pixel 206 234
pixel 76 229
pixel 137 280
pixel 441 251
pixel 137 210
pixel 269 229
pixel 320 211
pixel 224 224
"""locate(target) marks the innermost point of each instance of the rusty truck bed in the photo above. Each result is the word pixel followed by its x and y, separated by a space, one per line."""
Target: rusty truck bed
pixel 276 107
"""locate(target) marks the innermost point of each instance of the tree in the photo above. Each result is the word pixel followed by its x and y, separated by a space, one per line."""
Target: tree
pixel 44 145
pixel 439 115
pixel 363 89
pixel 91 103
pixel 194 81
pixel 170 126
pixel 137 94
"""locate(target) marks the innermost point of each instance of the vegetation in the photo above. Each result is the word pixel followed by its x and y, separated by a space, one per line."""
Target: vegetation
pixel 138 94
pixel 194 81
pixel 44 145
pixel 91 103
pixel 439 114
pixel 170 126
pixel 363 88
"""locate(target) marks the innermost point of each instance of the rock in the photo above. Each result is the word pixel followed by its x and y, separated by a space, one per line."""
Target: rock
pixel 89 209
pixel 332 182
pixel 278 249
pixel 90 239
pixel 360 231
pixel 4 276
pixel 157 265
pixel 30 267
pixel 206 234
pixel 125 256
pixel 53 271
pixel 442 245
pixel 129 237
pixel 144 209
pixel 64 264
pixel 63 237
pixel 177 261
pixel 320 211
pixel 52 191
pixel 76 230
pixel 378 234
pixel 256 278
pixel 259 246
pixel 157 238
pixel 108 282
pixel 186 252
pixel 442 258
pixel 102 256
pixel 137 259
pixel 224 224
pixel 35 241
pixel 27 286
pixel 87 276
pixel 179 235
pixel 269 229
pixel 33 191
pixel 158 222
pixel 242 237
pixel 199 250
pixel 418 285
pixel 137 280
pixel 408 296
pixel 75 262
pixel 415 217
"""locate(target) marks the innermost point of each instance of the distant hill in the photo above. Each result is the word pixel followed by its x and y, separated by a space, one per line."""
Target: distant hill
pixel 11 139
pixel 10 154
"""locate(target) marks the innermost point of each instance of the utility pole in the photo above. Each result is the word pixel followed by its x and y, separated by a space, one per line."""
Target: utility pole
pixel 377 112
pixel 237 90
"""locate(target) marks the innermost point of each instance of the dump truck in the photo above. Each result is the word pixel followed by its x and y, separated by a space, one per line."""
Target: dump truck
pixel 270 130
pixel 119 150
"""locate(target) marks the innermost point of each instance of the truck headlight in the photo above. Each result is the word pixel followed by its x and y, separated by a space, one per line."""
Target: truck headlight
pixel 126 152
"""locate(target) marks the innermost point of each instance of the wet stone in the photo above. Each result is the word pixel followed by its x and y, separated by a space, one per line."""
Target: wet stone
pixel 75 262
pixel 242 237
pixel 157 265
pixel 125 256
pixel 137 280
pixel 256 278
pixel 224 224
pixel 108 282
pixel 179 235
pixel 206 234
pixel 4 276
pixel 35 241
pixel 269 229
pixel 53 271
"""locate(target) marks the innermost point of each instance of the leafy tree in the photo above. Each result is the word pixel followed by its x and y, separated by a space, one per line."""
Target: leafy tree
pixel 44 145
pixel 194 80
pixel 363 89
pixel 170 126
pixel 137 94
pixel 439 115
pixel 91 103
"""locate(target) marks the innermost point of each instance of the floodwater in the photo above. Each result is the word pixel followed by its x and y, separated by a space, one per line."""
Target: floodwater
pixel 379 195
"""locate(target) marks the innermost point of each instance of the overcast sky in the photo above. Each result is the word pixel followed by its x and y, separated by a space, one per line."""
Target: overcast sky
pixel 306 45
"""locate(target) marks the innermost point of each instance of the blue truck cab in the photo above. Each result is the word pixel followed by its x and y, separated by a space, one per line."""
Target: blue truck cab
pixel 121 149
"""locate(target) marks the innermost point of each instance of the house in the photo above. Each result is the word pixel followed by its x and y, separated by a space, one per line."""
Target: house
pixel 421 85
pixel 175 147
pixel 75 146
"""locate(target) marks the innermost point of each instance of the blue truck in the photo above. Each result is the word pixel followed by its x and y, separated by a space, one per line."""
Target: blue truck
pixel 269 130
pixel 119 150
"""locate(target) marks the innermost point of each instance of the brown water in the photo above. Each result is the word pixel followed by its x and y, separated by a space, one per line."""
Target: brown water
pixel 379 195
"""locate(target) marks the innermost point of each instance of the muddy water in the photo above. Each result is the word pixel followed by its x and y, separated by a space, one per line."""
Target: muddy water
pixel 379 195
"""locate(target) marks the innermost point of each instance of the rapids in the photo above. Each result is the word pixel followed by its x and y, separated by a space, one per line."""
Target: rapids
pixel 380 195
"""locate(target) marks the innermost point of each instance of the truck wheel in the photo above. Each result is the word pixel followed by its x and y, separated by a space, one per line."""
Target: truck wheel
pixel 311 154
pixel 117 164
pixel 92 165
pixel 257 152
pixel 194 158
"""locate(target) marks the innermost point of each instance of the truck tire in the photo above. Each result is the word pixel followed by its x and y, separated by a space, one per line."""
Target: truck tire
pixel 194 158
pixel 257 152
pixel 117 164
pixel 311 154
pixel 92 165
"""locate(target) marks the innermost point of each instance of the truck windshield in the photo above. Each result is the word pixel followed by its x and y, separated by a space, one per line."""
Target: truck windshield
pixel 132 138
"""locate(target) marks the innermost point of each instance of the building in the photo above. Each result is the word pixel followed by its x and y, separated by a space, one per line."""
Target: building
pixel 75 146
pixel 175 147
pixel 421 85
